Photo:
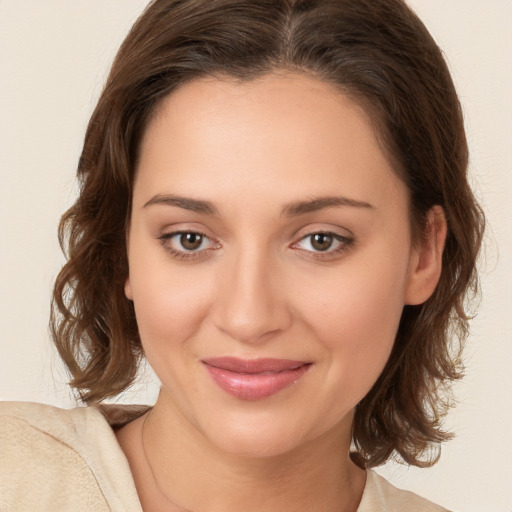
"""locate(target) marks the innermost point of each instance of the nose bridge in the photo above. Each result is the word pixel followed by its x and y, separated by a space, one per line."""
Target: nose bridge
pixel 251 303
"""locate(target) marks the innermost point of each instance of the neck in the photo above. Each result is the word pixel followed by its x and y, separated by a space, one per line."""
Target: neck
pixel 189 473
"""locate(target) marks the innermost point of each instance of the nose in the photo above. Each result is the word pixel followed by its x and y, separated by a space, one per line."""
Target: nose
pixel 251 305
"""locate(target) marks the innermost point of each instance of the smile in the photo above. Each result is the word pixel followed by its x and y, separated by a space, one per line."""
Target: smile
pixel 254 379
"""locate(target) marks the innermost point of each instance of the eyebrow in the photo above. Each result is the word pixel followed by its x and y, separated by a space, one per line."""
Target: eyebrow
pixel 290 210
pixel 194 205
pixel 322 203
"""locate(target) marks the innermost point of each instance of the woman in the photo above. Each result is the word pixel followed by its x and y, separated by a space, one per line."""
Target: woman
pixel 274 211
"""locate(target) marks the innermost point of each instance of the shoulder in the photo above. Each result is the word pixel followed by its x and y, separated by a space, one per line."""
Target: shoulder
pixel 380 495
pixel 41 460
pixel 52 457
pixel 44 418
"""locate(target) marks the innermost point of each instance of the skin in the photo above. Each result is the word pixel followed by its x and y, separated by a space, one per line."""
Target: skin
pixel 259 153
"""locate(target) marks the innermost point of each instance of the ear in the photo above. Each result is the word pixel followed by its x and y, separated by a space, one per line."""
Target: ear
pixel 128 289
pixel 127 285
pixel 426 261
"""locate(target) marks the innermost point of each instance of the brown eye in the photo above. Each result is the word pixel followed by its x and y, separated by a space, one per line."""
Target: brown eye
pixel 321 241
pixel 188 245
pixel 191 241
pixel 323 245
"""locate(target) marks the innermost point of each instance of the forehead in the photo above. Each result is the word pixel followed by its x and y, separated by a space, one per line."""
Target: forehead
pixel 287 129
pixel 291 100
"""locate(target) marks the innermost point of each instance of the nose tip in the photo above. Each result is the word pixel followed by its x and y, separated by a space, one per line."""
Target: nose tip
pixel 252 305
pixel 248 333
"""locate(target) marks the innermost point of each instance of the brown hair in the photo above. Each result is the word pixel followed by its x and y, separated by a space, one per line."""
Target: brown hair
pixel 378 52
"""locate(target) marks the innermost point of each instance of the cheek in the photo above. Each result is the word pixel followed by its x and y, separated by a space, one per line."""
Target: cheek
pixel 355 317
pixel 169 306
pixel 170 310
pixel 357 302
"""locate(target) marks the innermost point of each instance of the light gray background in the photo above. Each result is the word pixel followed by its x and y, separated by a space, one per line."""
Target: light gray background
pixel 54 56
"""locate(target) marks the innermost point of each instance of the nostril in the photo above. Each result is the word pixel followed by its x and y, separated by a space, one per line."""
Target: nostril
pixel 250 307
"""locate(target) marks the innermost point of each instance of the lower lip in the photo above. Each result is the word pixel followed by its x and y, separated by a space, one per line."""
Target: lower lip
pixel 255 386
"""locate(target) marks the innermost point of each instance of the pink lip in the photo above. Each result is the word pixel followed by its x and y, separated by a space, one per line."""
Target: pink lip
pixel 254 379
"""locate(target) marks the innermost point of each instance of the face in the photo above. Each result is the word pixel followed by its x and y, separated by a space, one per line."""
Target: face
pixel 270 259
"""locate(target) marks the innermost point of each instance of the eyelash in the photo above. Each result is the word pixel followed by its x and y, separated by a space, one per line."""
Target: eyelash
pixel 344 244
pixel 165 241
pixel 186 255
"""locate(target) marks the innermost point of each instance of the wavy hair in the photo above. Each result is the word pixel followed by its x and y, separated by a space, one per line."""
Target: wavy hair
pixel 380 54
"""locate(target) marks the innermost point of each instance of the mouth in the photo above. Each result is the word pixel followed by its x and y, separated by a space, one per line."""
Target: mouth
pixel 254 379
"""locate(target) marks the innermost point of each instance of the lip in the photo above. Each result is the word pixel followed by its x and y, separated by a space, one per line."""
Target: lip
pixel 254 379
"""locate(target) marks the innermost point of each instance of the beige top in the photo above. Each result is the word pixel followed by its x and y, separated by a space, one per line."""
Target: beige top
pixel 55 460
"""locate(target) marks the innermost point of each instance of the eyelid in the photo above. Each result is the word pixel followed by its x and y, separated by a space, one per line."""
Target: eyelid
pixel 345 242
pixel 341 243
pixel 184 254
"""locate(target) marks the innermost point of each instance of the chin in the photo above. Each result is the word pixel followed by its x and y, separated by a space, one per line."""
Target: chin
pixel 255 445
pixel 266 433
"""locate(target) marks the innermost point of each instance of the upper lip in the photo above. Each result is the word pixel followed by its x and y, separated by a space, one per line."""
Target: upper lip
pixel 234 364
